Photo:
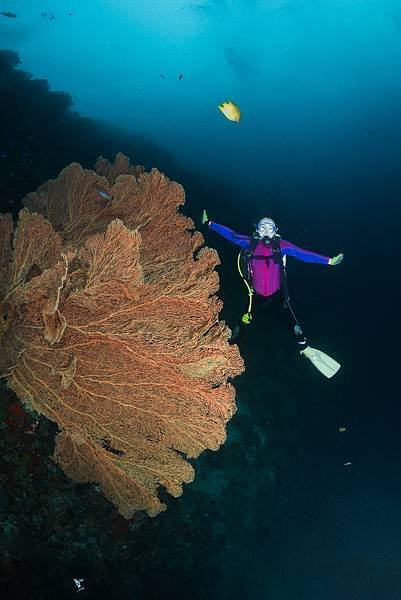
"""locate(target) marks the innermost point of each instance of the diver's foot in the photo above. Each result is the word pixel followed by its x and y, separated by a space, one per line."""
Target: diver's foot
pixel 234 333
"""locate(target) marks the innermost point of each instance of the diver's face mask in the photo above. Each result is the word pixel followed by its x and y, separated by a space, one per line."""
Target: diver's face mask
pixel 266 228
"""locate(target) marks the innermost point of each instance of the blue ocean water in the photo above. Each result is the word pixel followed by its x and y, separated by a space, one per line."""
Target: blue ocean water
pixel 290 508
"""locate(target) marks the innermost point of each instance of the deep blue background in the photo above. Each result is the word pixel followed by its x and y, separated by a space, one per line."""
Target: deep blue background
pixel 275 513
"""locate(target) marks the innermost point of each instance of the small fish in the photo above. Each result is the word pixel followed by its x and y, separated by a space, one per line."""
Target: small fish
pixel 79 584
pixel 10 15
pixel 230 111
pixel 347 464
pixel 32 428
pixel 161 75
pixel 181 76
pixel 342 429
pixel 104 195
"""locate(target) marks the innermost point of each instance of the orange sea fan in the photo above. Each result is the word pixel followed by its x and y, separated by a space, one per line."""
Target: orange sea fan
pixel 120 166
pixel 109 327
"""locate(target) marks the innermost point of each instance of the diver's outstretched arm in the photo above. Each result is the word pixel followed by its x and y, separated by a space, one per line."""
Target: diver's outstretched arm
pixel 226 232
pixel 289 249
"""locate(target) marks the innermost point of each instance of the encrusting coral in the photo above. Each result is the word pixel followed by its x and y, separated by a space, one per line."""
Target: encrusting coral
pixel 109 327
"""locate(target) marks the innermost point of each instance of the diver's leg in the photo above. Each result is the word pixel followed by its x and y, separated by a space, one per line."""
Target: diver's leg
pixel 285 313
pixel 258 304
pixel 299 335
pixel 235 332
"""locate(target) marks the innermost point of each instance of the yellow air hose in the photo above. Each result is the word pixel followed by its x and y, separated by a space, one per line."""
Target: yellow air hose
pixel 246 317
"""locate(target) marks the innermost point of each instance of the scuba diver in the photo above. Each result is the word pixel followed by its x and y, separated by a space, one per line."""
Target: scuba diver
pixel 262 266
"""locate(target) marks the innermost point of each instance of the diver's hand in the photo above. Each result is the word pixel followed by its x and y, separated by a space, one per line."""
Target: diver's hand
pixel 336 259
pixel 205 218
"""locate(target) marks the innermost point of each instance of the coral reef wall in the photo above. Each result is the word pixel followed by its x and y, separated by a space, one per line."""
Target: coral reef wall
pixel 109 327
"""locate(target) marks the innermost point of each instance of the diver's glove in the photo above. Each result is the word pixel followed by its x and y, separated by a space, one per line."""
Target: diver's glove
pixel 336 259
pixel 205 218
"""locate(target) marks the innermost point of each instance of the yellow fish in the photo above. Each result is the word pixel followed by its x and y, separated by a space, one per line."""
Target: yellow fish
pixel 230 111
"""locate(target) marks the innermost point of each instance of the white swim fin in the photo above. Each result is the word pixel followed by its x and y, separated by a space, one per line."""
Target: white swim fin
pixel 323 362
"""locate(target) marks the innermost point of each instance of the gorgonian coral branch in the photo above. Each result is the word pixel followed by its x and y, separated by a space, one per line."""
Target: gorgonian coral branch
pixel 112 330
